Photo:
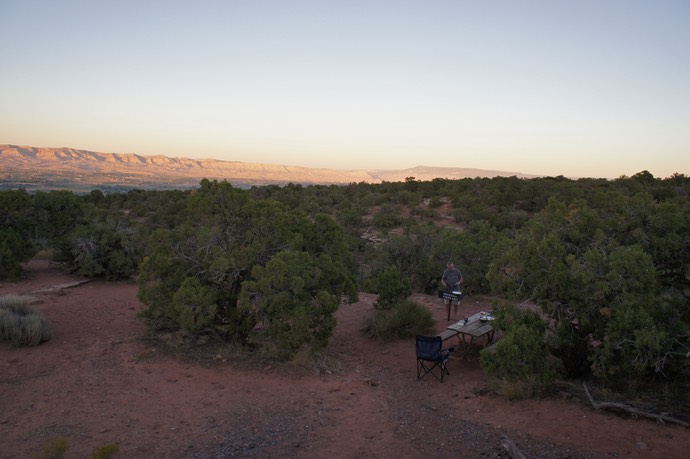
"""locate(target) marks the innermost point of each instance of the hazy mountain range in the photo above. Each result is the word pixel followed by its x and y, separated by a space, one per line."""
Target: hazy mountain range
pixel 68 168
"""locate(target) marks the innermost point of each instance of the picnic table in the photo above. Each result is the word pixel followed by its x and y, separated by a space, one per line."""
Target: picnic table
pixel 468 331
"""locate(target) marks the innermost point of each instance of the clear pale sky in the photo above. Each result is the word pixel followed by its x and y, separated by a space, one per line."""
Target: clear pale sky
pixel 554 87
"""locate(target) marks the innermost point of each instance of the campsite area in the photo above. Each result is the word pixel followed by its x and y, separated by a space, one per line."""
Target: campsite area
pixel 101 380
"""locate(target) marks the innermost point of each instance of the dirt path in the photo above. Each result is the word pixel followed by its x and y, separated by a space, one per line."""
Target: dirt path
pixel 98 381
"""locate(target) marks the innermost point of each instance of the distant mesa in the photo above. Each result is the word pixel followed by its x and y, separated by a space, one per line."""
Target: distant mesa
pixel 425 173
pixel 50 168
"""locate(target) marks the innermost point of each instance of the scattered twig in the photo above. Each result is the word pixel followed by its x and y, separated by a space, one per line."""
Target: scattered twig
pixel 660 418
pixel 513 450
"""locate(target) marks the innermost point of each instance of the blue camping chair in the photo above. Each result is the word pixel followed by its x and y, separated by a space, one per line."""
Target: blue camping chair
pixel 431 358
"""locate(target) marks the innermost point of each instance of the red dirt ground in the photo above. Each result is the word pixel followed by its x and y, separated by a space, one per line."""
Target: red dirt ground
pixel 99 381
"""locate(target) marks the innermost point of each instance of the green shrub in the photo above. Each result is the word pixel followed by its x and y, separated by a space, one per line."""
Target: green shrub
pixel 20 324
pixel 391 287
pixel 252 272
pixel 289 297
pixel 195 305
pixel 13 251
pixel 388 216
pixel 435 202
pixel 424 212
pixel 403 320
pixel 519 364
pixel 107 247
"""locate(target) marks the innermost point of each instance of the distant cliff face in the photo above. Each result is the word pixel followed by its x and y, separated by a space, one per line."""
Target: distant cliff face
pixel 21 162
pixel 47 167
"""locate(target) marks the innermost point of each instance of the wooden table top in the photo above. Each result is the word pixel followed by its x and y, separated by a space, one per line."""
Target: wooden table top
pixel 474 326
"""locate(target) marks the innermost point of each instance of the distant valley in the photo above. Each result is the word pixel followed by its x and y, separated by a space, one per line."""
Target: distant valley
pixel 34 168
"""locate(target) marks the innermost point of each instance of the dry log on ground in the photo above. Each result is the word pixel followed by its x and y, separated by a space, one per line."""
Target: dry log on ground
pixel 56 288
pixel 513 450
pixel 661 418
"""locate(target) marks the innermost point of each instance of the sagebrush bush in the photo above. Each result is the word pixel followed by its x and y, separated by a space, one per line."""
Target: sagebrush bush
pixel 20 324
pixel 403 320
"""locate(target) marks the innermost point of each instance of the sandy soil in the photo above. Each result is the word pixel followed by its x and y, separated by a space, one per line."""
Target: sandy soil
pixel 100 381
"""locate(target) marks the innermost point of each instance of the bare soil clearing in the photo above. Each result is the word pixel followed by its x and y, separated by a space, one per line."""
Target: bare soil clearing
pixel 100 381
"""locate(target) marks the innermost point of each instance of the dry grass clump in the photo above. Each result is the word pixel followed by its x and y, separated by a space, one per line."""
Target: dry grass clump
pixel 525 389
pixel 403 320
pixel 20 324
pixel 105 451
pixel 56 448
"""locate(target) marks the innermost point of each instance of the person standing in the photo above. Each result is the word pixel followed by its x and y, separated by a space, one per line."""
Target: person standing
pixel 451 280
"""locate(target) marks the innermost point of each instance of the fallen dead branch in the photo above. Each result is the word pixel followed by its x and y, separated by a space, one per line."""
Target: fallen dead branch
pixel 660 418
pixel 513 450
pixel 59 287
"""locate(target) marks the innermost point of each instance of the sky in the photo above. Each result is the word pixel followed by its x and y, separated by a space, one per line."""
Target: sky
pixel 587 88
